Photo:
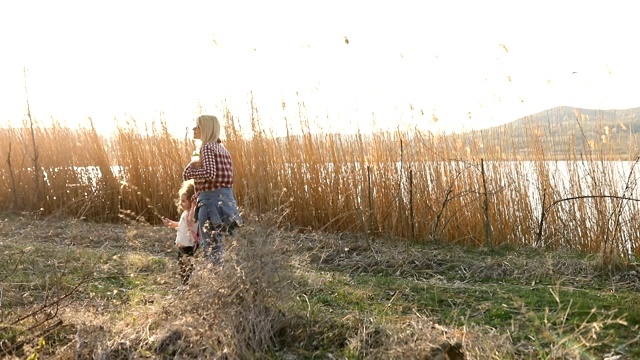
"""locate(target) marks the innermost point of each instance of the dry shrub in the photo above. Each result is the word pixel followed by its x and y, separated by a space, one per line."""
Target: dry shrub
pixel 420 338
pixel 228 312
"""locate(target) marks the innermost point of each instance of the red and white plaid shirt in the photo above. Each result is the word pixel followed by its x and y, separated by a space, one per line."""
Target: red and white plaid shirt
pixel 216 171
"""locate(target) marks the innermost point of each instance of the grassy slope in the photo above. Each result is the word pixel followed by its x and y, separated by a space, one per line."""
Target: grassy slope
pixel 70 287
pixel 565 131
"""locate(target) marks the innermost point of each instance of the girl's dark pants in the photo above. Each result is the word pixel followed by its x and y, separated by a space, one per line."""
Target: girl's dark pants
pixel 185 253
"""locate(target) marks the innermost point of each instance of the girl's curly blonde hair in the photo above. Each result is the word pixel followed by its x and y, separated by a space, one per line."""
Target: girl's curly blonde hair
pixel 188 189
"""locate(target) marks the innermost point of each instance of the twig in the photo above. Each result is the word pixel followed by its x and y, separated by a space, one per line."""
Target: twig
pixel 487 220
pixel 36 154
pixel 15 268
pixel 14 188
pixel 393 297
pixel 46 331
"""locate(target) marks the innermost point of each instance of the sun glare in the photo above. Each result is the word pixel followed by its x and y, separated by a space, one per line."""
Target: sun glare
pixel 389 66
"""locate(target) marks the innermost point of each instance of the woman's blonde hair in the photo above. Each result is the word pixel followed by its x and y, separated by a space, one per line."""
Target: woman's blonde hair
pixel 209 128
pixel 188 189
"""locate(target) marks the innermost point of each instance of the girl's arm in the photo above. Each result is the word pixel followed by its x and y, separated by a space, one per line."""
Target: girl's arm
pixel 170 223
pixel 191 220
pixel 192 211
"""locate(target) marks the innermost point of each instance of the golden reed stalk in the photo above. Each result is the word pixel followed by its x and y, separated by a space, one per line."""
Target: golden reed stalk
pixel 405 184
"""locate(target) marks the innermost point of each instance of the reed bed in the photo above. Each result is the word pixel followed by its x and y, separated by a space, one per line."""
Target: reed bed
pixel 511 186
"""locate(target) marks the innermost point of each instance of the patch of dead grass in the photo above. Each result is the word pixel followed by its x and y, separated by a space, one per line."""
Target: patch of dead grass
pixel 261 305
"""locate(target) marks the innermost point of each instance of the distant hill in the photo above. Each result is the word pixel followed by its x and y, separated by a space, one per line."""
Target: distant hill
pixel 564 118
pixel 566 131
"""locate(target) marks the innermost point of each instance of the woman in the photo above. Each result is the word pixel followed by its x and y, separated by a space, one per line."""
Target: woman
pixel 212 173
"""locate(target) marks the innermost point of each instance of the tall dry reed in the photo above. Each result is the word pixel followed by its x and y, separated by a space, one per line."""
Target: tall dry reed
pixel 150 164
pixel 519 186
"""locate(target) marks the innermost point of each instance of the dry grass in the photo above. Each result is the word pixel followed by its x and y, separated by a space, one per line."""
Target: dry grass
pixel 76 289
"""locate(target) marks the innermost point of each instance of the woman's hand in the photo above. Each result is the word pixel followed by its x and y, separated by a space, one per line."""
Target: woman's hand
pixel 196 164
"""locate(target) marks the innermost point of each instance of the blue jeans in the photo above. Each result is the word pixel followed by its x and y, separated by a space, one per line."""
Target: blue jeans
pixel 217 214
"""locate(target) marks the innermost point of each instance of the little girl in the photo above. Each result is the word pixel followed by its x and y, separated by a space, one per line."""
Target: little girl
pixel 187 238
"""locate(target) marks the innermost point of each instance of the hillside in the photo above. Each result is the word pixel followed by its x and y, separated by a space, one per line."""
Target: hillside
pixel 564 131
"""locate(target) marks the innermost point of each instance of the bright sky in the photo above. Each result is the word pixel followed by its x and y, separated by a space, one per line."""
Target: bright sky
pixel 468 63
